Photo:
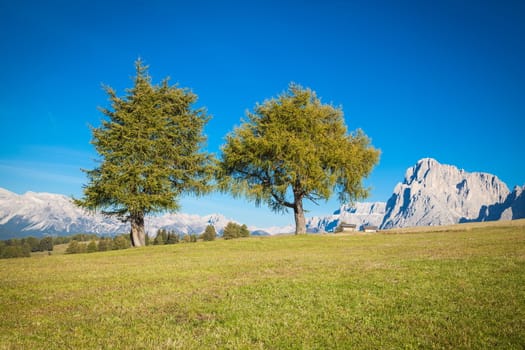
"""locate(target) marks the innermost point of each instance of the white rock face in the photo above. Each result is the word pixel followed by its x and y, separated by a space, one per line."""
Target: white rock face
pixel 360 214
pixel 513 207
pixel 437 194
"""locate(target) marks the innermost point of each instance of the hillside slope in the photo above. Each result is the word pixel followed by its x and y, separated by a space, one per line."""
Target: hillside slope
pixel 460 289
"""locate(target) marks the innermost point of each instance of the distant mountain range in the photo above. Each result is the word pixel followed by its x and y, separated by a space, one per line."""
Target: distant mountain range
pixel 359 214
pixel 41 214
pixel 430 194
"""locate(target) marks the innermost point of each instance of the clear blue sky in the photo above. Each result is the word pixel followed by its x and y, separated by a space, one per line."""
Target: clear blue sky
pixel 442 79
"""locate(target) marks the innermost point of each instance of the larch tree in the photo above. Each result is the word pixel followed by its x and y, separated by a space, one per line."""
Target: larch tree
pixel 150 147
pixel 209 233
pixel 294 148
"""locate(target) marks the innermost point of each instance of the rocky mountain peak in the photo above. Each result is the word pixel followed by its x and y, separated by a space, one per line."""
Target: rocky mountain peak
pixel 419 172
pixel 437 194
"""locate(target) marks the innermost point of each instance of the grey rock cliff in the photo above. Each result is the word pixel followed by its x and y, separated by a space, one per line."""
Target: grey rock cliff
pixel 438 194
pixel 511 209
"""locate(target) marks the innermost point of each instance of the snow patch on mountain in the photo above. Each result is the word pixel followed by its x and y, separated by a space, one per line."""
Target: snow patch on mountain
pixel 359 214
pixel 38 213
pixel 272 230
pixel 41 214
pixel 185 223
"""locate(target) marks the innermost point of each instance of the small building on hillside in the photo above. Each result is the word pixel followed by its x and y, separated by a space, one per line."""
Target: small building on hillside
pixel 344 227
pixel 370 228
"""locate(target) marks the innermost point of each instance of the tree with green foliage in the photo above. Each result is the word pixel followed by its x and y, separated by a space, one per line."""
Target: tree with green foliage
pixel 161 238
pixel 104 244
pixel 33 242
pixel 186 238
pixel 83 237
pixel 150 149
pixel 172 237
pixel 61 240
pixel 92 247
pixel 73 247
pixel 243 231
pixel 14 249
pixel 231 231
pixel 209 233
pixel 120 242
pixel 294 148
pixel 46 244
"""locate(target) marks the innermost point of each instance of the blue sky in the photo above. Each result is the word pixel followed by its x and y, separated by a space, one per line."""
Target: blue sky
pixel 442 79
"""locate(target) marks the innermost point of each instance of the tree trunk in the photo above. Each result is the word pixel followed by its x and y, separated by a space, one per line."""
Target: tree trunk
pixel 300 222
pixel 137 234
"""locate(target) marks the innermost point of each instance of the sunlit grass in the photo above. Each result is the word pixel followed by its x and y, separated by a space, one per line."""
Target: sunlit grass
pixel 459 289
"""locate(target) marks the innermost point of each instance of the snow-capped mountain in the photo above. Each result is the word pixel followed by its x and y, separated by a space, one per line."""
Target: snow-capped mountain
pixel 360 214
pixel 41 214
pixel 438 194
pixel 47 213
pixel 185 223
pixel 271 231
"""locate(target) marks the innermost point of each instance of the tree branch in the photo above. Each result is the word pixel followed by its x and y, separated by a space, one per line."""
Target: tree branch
pixel 282 201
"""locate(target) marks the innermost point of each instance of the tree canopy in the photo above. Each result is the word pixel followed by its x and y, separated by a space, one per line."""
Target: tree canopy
pixel 209 233
pixel 150 149
pixel 292 148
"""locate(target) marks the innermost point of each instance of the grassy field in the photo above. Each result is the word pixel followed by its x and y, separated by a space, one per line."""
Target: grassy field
pixel 462 287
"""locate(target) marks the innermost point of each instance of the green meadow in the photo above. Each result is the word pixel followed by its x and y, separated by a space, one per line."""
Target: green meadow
pixel 449 288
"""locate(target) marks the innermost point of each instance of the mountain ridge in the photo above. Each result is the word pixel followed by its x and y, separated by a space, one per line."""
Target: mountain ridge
pixel 438 194
pixel 431 193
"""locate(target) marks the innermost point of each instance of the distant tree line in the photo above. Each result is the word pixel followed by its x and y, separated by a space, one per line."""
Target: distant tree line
pixel 80 237
pixel 99 244
pixel 23 247
pixel 233 230
pixel 171 237
pixel 209 233
pixel 14 249
pixel 90 243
